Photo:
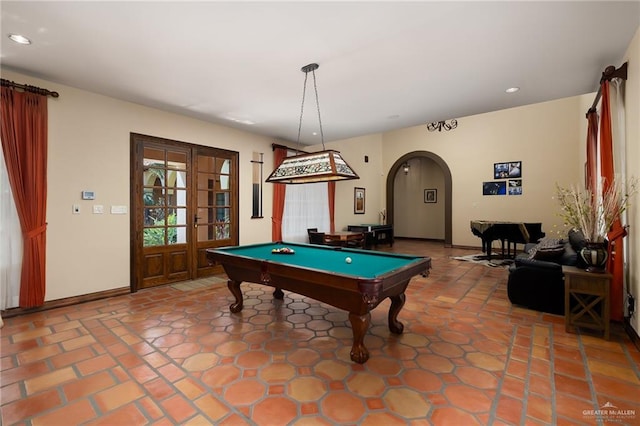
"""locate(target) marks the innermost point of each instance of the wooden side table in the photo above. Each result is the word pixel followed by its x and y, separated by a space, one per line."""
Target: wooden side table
pixel 586 300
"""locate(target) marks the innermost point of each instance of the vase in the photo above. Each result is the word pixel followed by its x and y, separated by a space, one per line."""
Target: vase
pixel 595 256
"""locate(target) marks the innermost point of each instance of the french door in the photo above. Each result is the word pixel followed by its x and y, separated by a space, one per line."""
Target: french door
pixel 184 200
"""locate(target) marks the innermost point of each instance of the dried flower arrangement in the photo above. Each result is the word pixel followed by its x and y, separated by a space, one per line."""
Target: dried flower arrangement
pixel 594 214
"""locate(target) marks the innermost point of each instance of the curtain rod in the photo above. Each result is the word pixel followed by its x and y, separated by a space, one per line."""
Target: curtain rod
pixel 28 88
pixel 607 75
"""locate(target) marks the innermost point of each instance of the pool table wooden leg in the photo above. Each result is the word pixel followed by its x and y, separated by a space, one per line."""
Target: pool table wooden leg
pixel 397 302
pixel 234 288
pixel 359 326
pixel 278 294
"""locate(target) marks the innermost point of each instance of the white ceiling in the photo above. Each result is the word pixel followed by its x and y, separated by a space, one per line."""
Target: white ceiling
pixel 383 65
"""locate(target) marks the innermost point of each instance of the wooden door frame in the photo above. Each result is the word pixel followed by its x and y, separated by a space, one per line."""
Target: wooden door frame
pixel 137 143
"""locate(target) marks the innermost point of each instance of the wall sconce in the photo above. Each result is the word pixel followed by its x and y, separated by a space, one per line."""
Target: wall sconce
pixel 439 125
pixel 405 168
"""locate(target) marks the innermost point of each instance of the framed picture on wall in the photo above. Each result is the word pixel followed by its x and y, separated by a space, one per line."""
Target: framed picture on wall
pixel 430 195
pixel 515 186
pixel 358 200
pixel 497 187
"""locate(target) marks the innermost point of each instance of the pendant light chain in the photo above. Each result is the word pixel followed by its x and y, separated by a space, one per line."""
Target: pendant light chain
pixel 315 87
pixel 304 91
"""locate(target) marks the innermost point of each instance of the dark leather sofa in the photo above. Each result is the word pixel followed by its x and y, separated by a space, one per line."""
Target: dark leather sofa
pixel 536 280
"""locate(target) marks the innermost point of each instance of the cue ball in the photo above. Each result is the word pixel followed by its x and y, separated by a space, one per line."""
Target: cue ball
pixel 348 260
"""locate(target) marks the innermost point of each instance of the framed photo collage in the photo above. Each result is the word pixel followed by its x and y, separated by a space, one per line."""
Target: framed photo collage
pixel 507 179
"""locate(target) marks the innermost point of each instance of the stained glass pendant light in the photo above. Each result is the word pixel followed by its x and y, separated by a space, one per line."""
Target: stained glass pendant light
pixel 324 166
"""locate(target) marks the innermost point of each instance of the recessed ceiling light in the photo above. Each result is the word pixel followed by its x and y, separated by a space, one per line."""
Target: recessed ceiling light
pixel 20 39
pixel 393 117
pixel 512 89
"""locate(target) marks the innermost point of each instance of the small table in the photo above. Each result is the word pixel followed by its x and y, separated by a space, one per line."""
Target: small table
pixel 586 300
pixel 343 237
pixel 321 272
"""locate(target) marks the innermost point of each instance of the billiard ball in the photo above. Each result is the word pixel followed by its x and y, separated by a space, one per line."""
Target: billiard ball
pixel 348 260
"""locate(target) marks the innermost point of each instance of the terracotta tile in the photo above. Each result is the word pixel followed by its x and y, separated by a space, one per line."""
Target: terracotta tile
pixel 190 388
pixel 509 410
pixel 244 392
pixel 386 419
pixel 468 398
pixel 274 410
pixel 71 357
pixel 277 373
pixel 118 396
pixel 171 372
pixel 30 334
pixel 212 407
pixel 178 408
pixel 221 375
pixel 142 373
pixel 452 416
pixel 24 372
pixel 422 381
pixel 305 389
pixel 539 408
pixel 477 377
pixel 127 415
pixel 88 385
pixel 342 407
pixel 49 380
pixel 80 411
pixel 30 406
pixel 78 342
pixel 150 408
pixel 614 371
pixel 406 403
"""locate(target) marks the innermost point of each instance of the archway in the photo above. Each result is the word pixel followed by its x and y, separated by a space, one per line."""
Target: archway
pixel 397 166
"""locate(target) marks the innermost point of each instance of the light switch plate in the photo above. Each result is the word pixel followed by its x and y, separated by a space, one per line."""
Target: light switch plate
pixel 75 209
pixel 118 209
pixel 98 209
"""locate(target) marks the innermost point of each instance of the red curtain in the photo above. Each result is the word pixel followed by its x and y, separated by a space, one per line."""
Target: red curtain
pixel 617 232
pixel 331 189
pixel 24 143
pixel 591 177
pixel 279 190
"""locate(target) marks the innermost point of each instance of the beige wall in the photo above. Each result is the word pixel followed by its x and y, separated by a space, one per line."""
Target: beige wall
pixel 546 137
pixel 89 150
pixel 632 99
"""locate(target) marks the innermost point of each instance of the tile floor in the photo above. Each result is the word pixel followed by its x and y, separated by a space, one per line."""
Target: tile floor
pixel 175 355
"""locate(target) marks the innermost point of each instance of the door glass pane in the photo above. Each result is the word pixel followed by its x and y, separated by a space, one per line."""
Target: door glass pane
pixel 223 199
pixel 222 231
pixel 152 155
pixel 153 216
pixel 153 197
pixel 153 176
pixel 180 198
pixel 176 179
pixel 223 166
pixel 154 237
pixel 177 160
pixel 178 216
pixel 223 214
pixel 177 235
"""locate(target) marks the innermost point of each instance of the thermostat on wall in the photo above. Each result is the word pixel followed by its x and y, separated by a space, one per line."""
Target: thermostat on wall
pixel 88 195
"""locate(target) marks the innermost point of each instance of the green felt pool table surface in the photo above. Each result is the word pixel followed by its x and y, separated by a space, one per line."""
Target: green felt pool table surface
pixel 365 264
pixel 321 272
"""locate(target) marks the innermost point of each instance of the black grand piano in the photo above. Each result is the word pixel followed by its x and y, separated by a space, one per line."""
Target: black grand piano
pixel 509 232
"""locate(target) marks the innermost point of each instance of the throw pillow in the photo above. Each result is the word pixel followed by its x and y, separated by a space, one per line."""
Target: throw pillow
pixel 549 249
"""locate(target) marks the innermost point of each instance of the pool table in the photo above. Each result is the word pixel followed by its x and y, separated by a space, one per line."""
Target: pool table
pixel 323 273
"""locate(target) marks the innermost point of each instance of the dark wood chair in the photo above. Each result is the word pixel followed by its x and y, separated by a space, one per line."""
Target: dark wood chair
pixel 359 242
pixel 316 237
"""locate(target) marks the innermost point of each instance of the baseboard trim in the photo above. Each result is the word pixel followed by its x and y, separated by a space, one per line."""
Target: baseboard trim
pixel 67 301
pixel 633 335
